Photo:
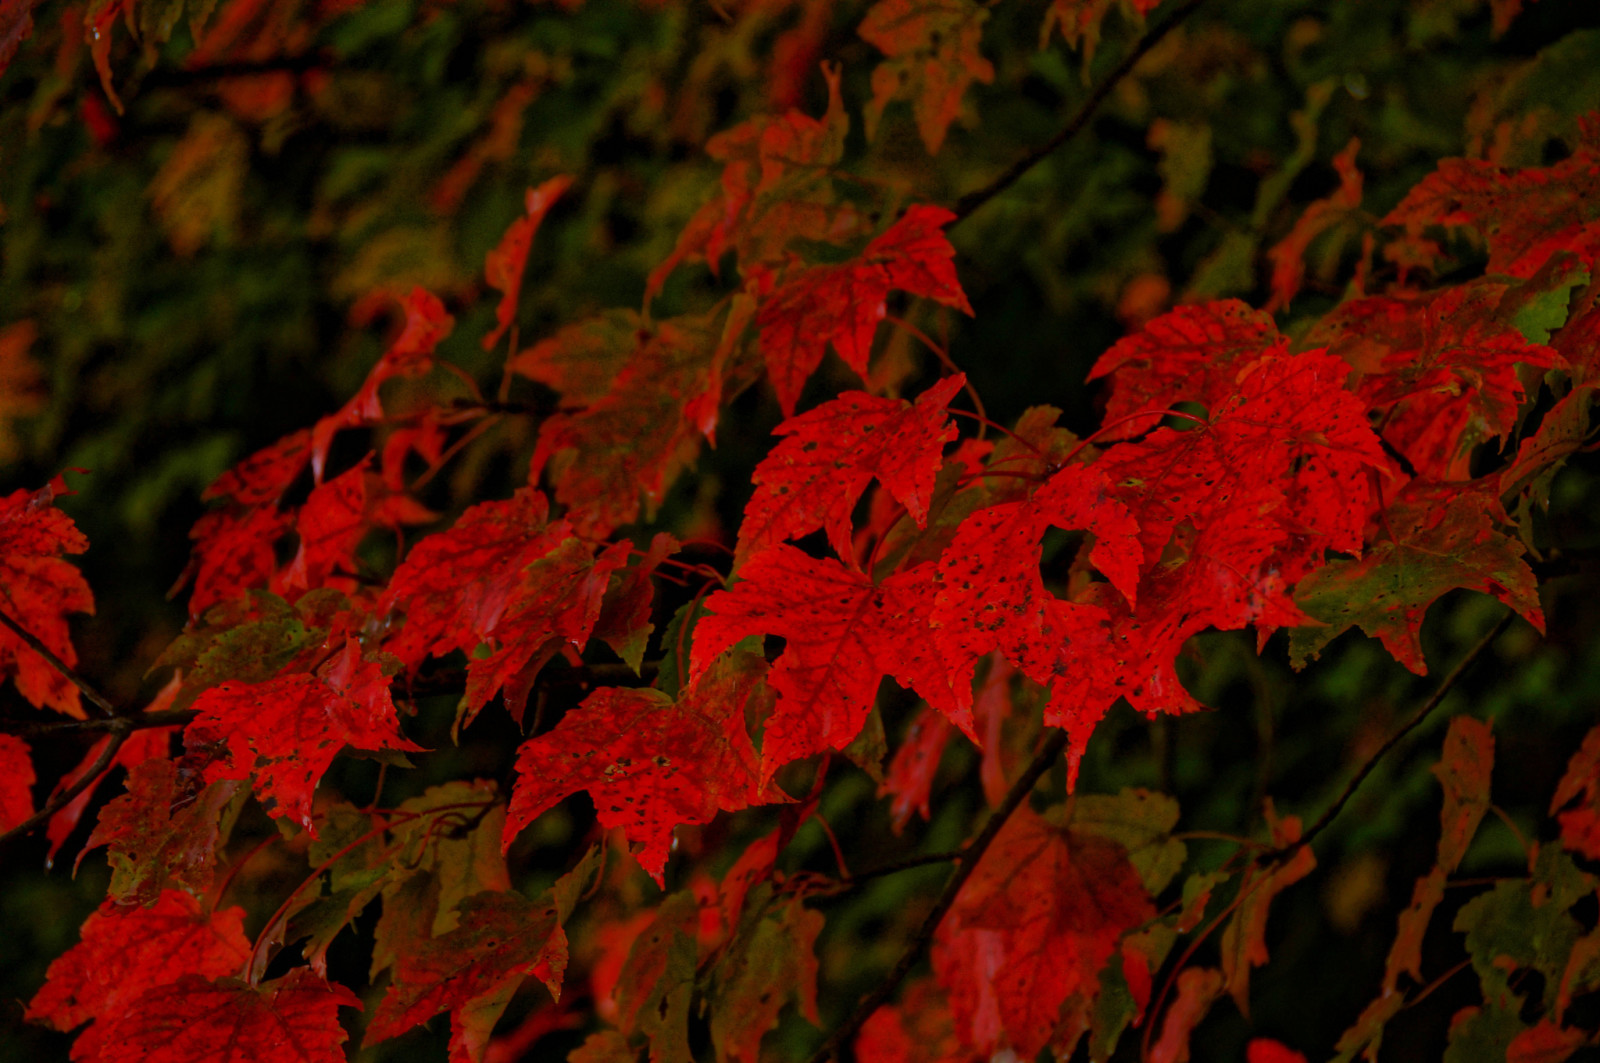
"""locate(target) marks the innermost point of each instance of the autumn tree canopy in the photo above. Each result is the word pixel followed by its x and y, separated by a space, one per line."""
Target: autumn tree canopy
pixel 906 531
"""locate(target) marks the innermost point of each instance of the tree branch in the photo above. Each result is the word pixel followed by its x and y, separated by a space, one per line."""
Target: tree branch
pixel 120 731
pixel 94 696
pixel 1434 700
pixel 1041 763
pixel 970 202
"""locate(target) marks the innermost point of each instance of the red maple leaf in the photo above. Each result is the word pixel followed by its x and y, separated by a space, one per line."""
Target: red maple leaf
pixel 287 730
pixel 38 590
pixel 555 604
pixel 473 969
pixel 16 782
pixel 815 476
pixel 125 951
pixel 1189 354
pixel 844 304
pixel 774 189
pixel 455 585
pixel 503 265
pixel 1027 936
pixel 426 324
pixel 843 634
pixel 648 762
pixel 293 1019
pixel 1525 215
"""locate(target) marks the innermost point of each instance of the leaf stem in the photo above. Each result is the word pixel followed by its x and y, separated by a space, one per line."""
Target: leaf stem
pixel 1047 755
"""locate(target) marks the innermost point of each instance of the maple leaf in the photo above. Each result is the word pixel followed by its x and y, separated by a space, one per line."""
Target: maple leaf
pixel 426 325
pixel 649 762
pixel 139 747
pixel 293 1019
pixel 1189 354
pixel 263 477
pixel 774 189
pixel 643 432
pixel 909 780
pixel 843 634
pixel 1288 256
pixel 472 970
pixel 919 1029
pixel 1580 825
pixel 456 585
pixel 39 590
pixel 1442 369
pixel 503 265
pixel 1437 538
pixel 123 952
pixel 1030 931
pixel 234 552
pixel 1244 939
pixel 1198 989
pixel 22 392
pixel 287 730
pixel 1079 22
pixel 581 360
pixel 844 304
pixel 931 56
pixel 1525 215
pixel 771 958
pixel 991 595
pixel 555 604
pixel 816 475
pixel 164 831
pixel 16 782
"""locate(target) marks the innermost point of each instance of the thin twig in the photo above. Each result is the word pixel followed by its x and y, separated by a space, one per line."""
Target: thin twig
pixel 97 698
pixel 898 866
pixel 61 800
pixel 970 202
pixel 138 722
pixel 1445 686
pixel 1048 753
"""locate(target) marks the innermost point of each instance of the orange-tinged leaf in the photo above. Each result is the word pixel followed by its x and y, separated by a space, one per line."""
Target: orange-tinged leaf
pixel 1580 825
pixel 39 591
pixel 931 56
pixel 293 1019
pixel 124 951
pixel 919 1029
pixel 649 763
pixel 1545 1042
pixel 816 475
pixel 1288 256
pixel 503 265
pixel 1198 989
pixel 843 635
pixel 1244 939
pixel 1079 21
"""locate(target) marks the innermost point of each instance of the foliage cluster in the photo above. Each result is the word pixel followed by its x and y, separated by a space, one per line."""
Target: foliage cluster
pixel 1329 271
